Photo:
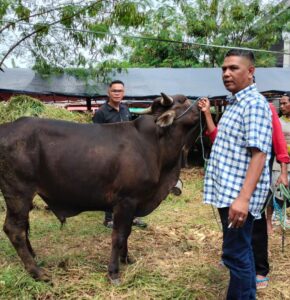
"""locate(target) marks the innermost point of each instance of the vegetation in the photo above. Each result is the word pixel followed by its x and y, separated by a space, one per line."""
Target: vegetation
pixel 25 106
pixel 231 23
pixel 72 34
pixel 177 256
pixel 92 38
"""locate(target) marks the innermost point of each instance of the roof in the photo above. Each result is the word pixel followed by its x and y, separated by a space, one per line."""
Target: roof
pixel 141 82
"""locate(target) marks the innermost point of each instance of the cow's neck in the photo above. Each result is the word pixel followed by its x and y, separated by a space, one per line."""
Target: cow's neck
pixel 172 140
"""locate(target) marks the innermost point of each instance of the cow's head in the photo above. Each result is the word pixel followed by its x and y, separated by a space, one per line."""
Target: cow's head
pixel 168 110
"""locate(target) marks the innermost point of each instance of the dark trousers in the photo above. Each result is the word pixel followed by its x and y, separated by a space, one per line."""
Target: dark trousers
pixel 260 246
pixel 238 258
pixel 108 216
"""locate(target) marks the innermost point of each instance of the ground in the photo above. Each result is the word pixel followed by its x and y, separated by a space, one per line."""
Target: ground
pixel 177 256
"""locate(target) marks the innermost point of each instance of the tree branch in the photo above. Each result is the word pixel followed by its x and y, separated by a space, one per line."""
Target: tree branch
pixel 40 29
pixel 10 23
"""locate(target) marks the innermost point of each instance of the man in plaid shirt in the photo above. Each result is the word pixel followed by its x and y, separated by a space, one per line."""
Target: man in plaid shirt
pixel 237 177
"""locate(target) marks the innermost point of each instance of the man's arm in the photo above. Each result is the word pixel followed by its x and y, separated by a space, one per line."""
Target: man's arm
pixel 280 147
pixel 98 117
pixel 239 209
pixel 204 106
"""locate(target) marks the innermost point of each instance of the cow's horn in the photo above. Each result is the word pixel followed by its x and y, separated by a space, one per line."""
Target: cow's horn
pixel 166 100
pixel 144 111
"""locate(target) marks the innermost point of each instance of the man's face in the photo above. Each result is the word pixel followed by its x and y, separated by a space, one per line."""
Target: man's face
pixel 116 92
pixel 285 105
pixel 237 73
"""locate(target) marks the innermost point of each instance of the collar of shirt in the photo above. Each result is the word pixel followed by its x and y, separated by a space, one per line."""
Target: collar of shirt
pixel 239 96
pixel 110 108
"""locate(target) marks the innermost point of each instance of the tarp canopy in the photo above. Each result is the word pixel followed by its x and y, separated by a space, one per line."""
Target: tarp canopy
pixel 141 82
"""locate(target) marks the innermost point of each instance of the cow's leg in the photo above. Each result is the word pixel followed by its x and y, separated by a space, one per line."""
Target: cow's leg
pixel 16 227
pixel 124 256
pixel 28 241
pixel 184 153
pixel 123 218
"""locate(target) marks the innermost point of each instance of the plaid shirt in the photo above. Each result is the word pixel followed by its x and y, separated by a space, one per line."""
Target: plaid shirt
pixel 245 123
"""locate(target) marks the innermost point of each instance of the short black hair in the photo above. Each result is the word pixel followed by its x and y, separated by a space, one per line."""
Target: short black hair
pixel 241 52
pixel 116 81
pixel 287 94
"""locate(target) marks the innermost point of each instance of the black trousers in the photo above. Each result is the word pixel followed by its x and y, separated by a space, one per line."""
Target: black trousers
pixel 260 246
pixel 108 216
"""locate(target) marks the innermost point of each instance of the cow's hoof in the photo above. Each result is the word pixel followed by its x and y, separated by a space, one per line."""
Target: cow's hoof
pixel 114 279
pixel 40 275
pixel 127 260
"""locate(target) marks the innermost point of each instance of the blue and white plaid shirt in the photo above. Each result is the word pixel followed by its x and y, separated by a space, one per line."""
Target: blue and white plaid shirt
pixel 246 123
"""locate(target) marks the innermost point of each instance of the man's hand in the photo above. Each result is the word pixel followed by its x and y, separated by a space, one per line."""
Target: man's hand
pixel 283 178
pixel 238 212
pixel 204 105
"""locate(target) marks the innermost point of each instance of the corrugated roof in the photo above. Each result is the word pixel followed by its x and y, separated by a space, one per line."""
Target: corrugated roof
pixel 142 82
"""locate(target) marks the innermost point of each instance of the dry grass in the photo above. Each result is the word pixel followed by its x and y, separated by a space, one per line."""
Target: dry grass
pixel 176 256
pixel 26 106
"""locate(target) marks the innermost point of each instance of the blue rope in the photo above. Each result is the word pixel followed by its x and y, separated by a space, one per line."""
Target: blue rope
pixel 281 212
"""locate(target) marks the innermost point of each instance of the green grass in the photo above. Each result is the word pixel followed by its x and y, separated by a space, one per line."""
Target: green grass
pixel 176 256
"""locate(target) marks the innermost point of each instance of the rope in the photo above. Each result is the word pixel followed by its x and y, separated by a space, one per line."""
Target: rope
pixel 201 140
pixel 205 166
pixel 181 115
pixel 281 212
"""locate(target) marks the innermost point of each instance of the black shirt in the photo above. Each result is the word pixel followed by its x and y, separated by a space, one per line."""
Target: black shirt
pixel 108 114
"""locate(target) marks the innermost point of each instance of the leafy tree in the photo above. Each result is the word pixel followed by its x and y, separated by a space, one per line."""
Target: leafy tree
pixel 164 24
pixel 68 35
pixel 232 23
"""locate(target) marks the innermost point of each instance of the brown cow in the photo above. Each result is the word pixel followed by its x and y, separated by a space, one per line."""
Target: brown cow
pixel 128 168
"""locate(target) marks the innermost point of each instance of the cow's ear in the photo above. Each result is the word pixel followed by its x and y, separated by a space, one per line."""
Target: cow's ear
pixel 166 119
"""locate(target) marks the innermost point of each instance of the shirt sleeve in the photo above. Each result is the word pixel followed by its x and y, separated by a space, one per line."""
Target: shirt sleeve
pixel 278 138
pixel 258 125
pixel 212 135
pixel 98 117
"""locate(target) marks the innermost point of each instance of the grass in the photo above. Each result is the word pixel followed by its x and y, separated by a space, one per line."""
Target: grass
pixel 176 256
pixel 22 105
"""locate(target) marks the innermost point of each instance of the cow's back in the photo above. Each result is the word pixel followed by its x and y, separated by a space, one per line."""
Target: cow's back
pixel 80 166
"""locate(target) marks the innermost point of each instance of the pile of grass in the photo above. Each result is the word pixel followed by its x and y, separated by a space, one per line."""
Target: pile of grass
pixel 25 106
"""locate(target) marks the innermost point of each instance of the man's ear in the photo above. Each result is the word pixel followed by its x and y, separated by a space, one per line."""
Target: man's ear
pixel 166 119
pixel 251 72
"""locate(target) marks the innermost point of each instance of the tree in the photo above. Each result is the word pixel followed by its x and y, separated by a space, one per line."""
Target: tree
pixel 164 23
pixel 230 23
pixel 68 35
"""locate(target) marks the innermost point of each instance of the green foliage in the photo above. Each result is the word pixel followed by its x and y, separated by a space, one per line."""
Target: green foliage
pixel 41 28
pixel 4 4
pixel 233 23
pixel 22 12
pixel 126 14
pixel 69 35
pixel 164 24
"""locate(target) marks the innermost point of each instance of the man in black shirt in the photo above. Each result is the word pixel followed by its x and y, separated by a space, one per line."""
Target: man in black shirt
pixel 113 111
